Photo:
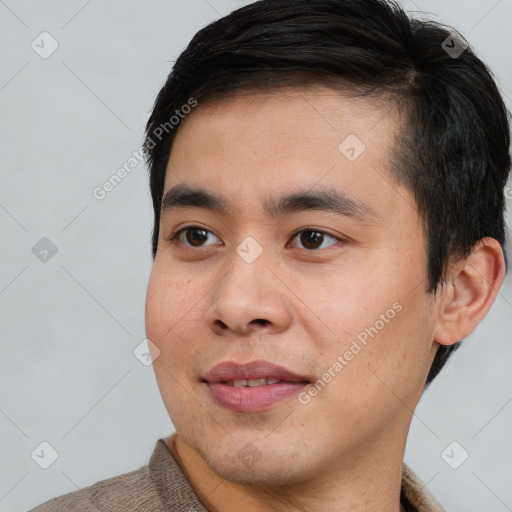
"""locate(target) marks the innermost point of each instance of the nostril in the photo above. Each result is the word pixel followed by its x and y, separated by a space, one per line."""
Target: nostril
pixel 221 324
pixel 260 321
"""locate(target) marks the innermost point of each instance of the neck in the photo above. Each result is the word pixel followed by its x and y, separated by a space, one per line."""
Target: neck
pixel 366 480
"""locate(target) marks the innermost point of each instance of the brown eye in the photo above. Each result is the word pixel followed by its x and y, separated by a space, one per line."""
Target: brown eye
pixel 193 236
pixel 314 239
pixel 196 236
pixel 311 239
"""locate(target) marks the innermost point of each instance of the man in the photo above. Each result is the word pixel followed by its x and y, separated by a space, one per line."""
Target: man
pixel 327 178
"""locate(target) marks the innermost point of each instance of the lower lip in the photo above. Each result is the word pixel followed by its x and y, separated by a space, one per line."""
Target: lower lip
pixel 248 399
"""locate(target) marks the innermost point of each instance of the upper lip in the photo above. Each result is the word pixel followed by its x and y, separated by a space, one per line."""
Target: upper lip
pixel 231 370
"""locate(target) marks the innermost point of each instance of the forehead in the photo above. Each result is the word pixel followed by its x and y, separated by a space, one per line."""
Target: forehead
pixel 276 140
pixel 299 110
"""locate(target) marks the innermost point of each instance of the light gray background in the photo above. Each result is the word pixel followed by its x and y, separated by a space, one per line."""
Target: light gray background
pixel 68 327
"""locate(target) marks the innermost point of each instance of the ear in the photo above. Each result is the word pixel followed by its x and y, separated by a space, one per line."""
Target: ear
pixel 472 285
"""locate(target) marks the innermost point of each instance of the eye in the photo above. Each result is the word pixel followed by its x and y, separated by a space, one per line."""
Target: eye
pixel 192 236
pixel 312 238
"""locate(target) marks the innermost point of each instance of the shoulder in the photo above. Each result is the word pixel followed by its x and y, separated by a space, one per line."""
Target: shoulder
pixel 417 492
pixel 159 486
pixel 130 491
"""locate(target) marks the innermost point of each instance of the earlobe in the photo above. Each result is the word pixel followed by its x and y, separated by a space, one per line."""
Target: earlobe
pixel 472 287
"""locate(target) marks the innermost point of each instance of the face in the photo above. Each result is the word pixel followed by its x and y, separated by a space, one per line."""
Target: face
pixel 287 297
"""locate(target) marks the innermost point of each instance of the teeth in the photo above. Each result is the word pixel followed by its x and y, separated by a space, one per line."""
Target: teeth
pixel 252 383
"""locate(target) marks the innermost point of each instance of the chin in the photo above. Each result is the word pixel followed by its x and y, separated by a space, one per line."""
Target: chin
pixel 252 463
pixel 260 474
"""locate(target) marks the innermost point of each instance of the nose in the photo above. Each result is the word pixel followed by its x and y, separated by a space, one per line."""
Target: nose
pixel 249 297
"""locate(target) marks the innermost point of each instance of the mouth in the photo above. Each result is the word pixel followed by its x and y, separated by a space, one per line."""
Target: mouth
pixel 252 383
pixel 252 387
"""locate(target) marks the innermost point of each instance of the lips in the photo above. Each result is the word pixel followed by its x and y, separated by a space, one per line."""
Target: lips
pixel 232 371
pixel 252 387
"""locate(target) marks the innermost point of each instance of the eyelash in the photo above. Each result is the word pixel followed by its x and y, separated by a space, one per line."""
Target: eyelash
pixel 173 238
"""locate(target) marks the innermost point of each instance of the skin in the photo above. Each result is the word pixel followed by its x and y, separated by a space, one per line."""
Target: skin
pixel 343 450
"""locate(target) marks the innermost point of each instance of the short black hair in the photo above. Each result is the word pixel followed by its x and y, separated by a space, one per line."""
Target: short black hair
pixel 453 149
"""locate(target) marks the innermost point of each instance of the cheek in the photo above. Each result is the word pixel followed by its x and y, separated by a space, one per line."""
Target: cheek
pixel 398 356
pixel 172 324
pixel 343 305
pixel 172 308
pixel 381 325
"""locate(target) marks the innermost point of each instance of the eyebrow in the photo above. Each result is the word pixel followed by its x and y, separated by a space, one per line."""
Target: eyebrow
pixel 329 200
